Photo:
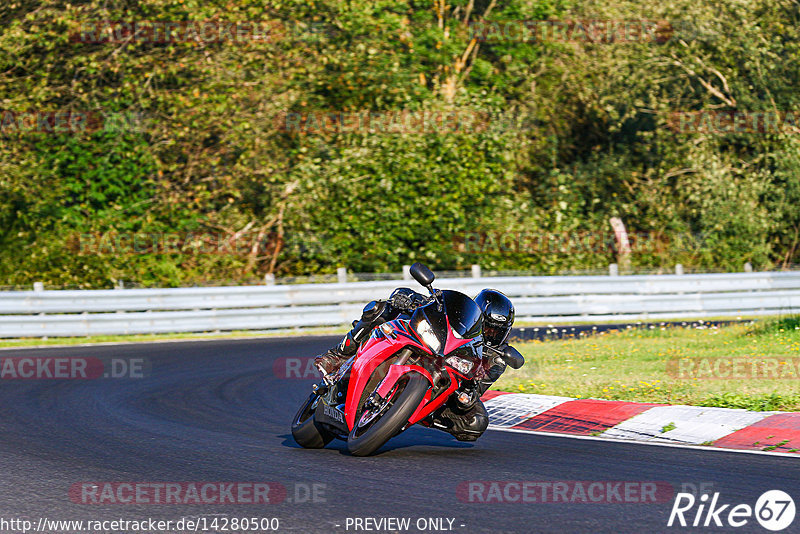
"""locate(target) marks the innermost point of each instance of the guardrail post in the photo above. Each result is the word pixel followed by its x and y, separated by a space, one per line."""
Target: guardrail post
pixel 38 286
pixel 678 269
pixel 748 267
pixel 341 272
pixel 613 270
pixel 406 272
pixel 269 279
pixel 476 271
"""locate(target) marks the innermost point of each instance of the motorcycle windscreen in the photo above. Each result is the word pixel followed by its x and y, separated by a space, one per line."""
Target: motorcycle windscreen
pixel 429 321
pixel 466 318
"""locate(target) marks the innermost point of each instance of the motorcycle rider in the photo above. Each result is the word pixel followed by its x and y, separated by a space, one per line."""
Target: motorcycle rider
pixel 464 416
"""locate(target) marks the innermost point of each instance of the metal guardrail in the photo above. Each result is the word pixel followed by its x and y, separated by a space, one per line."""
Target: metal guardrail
pixel 47 313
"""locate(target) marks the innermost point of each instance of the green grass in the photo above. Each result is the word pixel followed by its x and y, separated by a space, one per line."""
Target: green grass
pixel 632 365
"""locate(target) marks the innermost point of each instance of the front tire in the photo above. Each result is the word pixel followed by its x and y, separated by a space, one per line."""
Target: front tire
pixel 305 430
pixel 370 435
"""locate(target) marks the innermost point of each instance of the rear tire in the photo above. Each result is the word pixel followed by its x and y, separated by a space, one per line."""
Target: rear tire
pixel 363 441
pixel 305 430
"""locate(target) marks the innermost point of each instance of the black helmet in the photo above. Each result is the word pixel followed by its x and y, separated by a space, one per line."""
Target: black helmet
pixel 498 316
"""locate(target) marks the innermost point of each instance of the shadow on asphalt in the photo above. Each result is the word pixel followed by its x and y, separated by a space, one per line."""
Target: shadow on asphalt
pixel 417 438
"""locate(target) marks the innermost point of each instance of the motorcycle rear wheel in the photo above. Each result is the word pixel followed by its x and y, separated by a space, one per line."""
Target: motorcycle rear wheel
pixel 305 430
pixel 370 434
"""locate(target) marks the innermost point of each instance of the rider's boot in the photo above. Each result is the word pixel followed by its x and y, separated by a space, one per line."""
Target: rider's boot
pixel 464 426
pixel 464 417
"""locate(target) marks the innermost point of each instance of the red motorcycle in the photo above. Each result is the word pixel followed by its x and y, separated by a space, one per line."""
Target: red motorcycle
pixel 404 372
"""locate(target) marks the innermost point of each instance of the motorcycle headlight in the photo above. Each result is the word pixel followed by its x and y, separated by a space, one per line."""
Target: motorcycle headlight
pixel 425 331
pixel 459 364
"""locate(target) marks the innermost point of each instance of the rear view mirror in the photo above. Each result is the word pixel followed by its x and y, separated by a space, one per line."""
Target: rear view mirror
pixel 513 358
pixel 422 274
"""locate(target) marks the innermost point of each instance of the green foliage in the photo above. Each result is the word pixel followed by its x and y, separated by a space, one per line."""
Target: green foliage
pixel 584 136
pixel 756 403
pixel 775 326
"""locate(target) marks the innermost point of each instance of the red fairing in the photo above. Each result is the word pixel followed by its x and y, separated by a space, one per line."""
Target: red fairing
pixel 452 341
pixel 375 351
pixel 428 407
pixel 381 346
pixel 394 374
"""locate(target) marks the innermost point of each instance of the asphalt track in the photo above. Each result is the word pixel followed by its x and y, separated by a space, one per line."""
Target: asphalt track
pixel 216 411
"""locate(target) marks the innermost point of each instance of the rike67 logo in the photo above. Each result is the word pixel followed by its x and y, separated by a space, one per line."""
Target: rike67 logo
pixel 774 510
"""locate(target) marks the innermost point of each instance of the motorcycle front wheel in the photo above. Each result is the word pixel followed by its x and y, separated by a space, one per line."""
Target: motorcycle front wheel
pixel 305 431
pixel 378 424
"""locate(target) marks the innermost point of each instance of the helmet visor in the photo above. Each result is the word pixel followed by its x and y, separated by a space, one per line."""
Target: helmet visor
pixel 495 334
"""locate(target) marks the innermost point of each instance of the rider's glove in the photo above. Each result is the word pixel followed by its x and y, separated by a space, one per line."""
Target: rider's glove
pixel 330 361
pixel 403 299
pixel 495 366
